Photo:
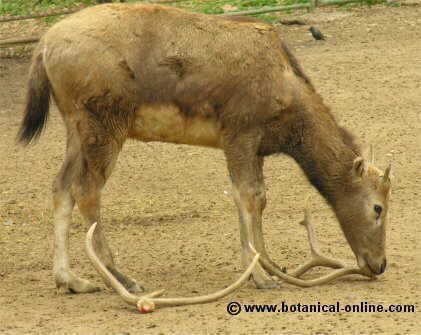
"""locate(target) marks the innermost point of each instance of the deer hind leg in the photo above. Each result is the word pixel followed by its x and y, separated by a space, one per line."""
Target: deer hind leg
pixel 246 171
pixel 66 280
pixel 81 180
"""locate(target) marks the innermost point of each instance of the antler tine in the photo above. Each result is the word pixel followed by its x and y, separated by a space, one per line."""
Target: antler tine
pixel 306 222
pixel 147 303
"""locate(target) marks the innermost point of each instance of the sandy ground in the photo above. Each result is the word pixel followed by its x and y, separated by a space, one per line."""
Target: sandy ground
pixel 170 218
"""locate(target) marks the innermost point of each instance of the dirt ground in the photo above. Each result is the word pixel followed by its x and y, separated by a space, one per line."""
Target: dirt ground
pixel 171 220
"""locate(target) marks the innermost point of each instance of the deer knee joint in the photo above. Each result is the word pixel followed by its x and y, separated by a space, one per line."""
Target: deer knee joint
pixel 261 198
pixel 253 198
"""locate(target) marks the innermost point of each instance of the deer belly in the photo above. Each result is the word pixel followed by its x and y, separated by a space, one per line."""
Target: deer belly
pixel 167 123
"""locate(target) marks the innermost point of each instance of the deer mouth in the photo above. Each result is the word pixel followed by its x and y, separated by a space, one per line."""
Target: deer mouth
pixel 366 267
pixel 371 270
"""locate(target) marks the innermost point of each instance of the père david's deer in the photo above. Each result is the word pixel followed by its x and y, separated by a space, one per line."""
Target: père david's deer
pixel 153 73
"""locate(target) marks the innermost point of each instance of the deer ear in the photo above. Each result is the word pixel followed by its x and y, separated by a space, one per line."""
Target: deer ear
pixel 358 167
pixel 386 176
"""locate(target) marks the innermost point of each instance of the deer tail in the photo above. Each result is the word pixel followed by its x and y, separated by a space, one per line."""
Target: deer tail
pixel 37 101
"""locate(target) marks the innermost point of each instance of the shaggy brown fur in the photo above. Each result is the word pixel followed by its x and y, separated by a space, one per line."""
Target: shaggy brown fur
pixel 152 73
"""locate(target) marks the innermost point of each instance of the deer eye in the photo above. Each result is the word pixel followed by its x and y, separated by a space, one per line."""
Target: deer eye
pixel 378 209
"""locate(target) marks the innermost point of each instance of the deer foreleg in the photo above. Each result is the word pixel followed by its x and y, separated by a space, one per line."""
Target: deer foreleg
pixel 246 171
pixel 247 201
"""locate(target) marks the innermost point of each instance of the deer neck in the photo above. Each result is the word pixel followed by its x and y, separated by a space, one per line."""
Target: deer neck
pixel 324 151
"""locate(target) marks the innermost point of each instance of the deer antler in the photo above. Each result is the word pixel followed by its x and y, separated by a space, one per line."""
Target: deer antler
pixel 147 303
pixel 317 260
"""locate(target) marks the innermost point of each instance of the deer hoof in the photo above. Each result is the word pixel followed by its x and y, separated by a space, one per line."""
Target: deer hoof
pixel 135 287
pixel 266 284
pixel 75 285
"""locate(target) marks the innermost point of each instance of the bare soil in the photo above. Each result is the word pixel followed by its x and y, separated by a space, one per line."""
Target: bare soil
pixel 170 218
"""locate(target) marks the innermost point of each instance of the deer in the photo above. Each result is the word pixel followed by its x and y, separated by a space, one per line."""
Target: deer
pixel 161 74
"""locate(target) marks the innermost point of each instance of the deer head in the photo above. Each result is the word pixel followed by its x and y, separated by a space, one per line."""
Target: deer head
pixel 362 211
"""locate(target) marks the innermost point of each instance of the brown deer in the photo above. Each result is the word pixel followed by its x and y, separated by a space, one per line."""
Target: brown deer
pixel 152 73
